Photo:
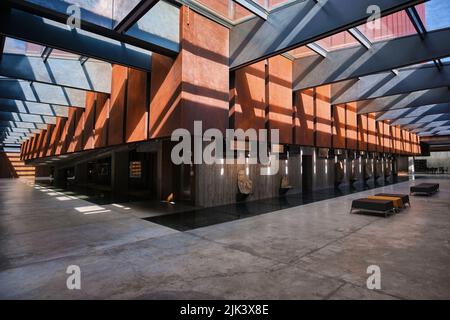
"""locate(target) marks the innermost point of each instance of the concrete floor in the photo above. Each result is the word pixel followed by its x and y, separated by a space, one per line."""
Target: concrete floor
pixel 316 251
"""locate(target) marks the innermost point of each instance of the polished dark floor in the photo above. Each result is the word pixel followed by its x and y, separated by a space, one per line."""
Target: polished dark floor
pixel 99 195
pixel 193 219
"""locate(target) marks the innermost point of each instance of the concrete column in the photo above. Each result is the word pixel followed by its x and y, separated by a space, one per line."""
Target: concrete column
pixel 119 172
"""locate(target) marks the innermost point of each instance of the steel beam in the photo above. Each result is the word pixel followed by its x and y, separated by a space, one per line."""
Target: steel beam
pixel 134 15
pixel 254 8
pixel 317 49
pixel 414 112
pixel 354 62
pixel 415 19
pixel 410 100
pixel 92 75
pixel 387 84
pixel 298 24
pixel 99 24
pixel 40 92
pixel 104 25
pixel 33 108
pixel 419 127
pixel 26 117
pixel 18 130
pixel 422 119
pixel 63 113
pixel 360 37
pixel 28 27
pixel 24 125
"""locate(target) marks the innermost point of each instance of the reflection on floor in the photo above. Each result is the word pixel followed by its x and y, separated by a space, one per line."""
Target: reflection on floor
pixel 198 218
pixel 314 251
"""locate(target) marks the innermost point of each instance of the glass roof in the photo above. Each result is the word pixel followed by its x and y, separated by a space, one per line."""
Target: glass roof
pixel 161 21
pixel 272 4
pixel 22 47
pixel 15 46
pixel 301 52
pixel 100 12
pixel 233 12
pixel 338 41
pixel 437 14
pixel 391 26
pixel 227 9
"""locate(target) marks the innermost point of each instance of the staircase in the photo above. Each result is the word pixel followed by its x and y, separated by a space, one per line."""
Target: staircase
pixel 12 167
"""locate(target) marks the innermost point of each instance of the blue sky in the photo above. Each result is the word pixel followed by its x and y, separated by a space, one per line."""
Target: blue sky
pixel 437 14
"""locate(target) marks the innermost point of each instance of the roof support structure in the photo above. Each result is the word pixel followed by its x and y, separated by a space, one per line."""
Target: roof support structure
pixel 416 20
pixel 18 130
pixel 354 62
pixel 422 119
pixel 409 100
pixel 92 75
pixel 28 27
pixel 26 117
pixel 44 109
pixel 317 49
pixel 387 84
pixel 134 15
pixel 46 53
pixel 43 93
pixel 427 126
pixel 105 27
pixel 24 125
pixel 298 24
pixel 254 8
pixel 360 37
pixel 414 112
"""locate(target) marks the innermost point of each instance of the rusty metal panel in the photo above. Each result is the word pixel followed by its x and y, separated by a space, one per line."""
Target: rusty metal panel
pixel 387 138
pixel 77 141
pixel 372 133
pixel 398 139
pixel 70 137
pixel 165 96
pixel 304 118
pixel 46 142
pixel 35 145
pixel 40 144
pixel 248 99
pixel 279 88
pixel 56 136
pixel 362 132
pixel 67 132
pixel 380 138
pixel 101 120
pixel 117 107
pixel 89 121
pixel 30 148
pixel 205 71
pixel 24 152
pixel 323 116
pixel 136 128
pixel 352 126
pixel 339 121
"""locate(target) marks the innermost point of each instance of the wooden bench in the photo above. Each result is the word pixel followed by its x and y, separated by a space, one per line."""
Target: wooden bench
pixel 396 201
pixel 404 197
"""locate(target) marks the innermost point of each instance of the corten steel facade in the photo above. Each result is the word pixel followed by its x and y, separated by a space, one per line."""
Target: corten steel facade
pixel 209 80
